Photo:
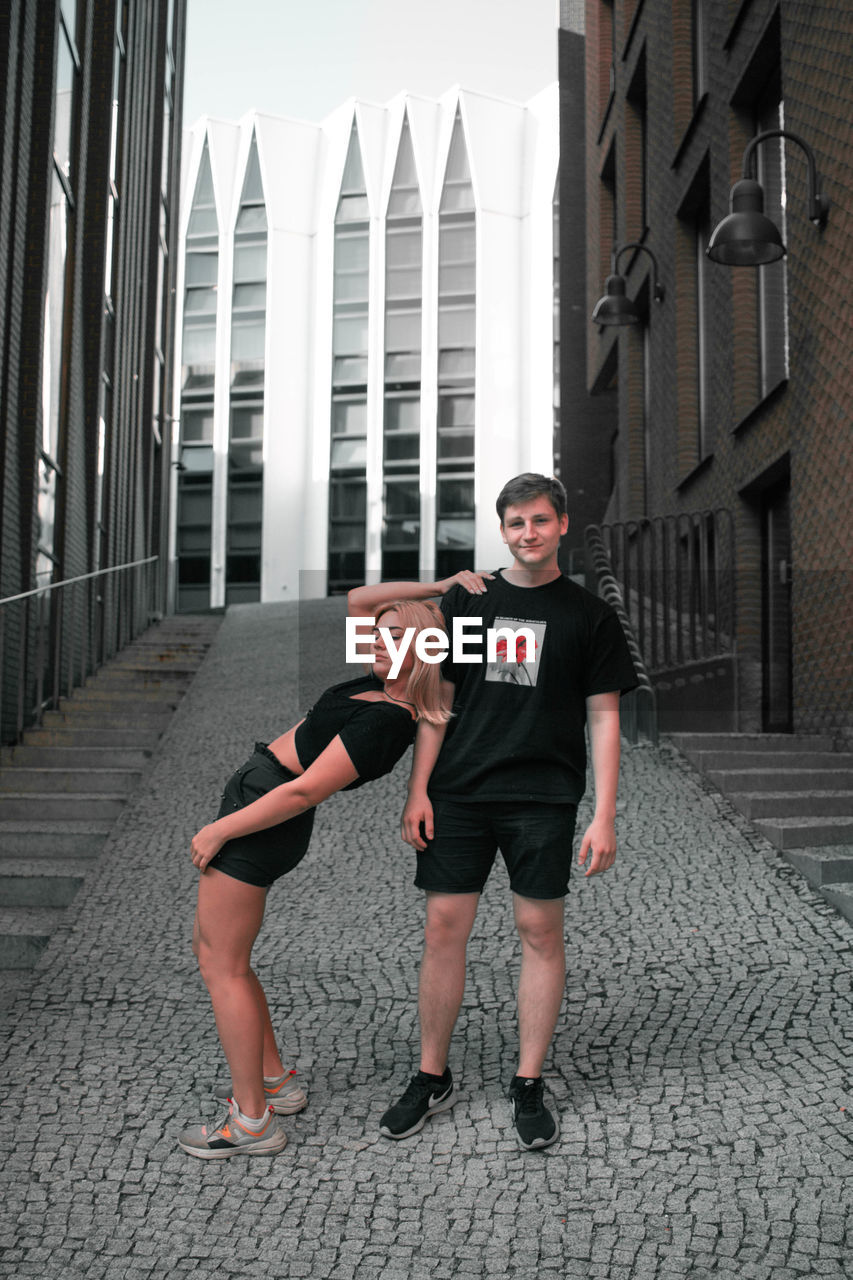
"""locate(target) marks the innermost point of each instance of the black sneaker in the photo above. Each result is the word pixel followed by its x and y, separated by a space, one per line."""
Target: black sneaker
pixel 423 1098
pixel 534 1125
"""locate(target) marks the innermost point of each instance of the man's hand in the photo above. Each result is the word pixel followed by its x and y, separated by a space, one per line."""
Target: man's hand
pixel 474 583
pixel 206 843
pixel 599 840
pixel 418 810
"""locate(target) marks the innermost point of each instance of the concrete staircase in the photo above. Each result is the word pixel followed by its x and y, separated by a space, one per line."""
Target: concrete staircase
pixel 63 787
pixel 797 791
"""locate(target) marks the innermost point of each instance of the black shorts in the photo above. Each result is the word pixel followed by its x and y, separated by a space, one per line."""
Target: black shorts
pixel 263 856
pixel 535 840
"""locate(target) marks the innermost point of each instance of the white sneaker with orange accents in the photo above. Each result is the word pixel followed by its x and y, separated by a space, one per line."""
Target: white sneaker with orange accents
pixel 233 1138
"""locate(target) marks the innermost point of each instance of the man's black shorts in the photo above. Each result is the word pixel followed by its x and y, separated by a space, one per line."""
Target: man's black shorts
pixel 261 857
pixel 535 841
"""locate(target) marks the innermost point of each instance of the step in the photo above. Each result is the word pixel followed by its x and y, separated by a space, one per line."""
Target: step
pixel 799 833
pixel 89 717
pixel 77 737
pixel 24 934
pixel 839 896
pixel 41 882
pixel 709 761
pixel 26 778
pixel 79 757
pixel 71 839
pixel 780 779
pixel 136 678
pixel 105 695
pixel 751 741
pixel 823 864
pixel 793 804
pixel 18 806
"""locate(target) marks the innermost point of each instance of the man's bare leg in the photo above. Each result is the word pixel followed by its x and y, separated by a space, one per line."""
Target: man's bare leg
pixel 543 978
pixel 449 920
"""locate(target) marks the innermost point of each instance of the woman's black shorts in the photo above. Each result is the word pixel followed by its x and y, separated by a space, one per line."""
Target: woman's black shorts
pixel 263 856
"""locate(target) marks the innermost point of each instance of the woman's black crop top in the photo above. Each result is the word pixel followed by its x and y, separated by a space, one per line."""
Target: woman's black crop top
pixel 375 734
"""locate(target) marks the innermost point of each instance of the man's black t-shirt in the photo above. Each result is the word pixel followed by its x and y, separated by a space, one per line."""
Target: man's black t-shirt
pixel 518 726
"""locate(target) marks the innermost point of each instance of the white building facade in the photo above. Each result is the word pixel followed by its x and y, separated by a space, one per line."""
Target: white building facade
pixel 365 342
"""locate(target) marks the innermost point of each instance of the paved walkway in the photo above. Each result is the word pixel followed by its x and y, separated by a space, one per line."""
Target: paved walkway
pixel 701 1064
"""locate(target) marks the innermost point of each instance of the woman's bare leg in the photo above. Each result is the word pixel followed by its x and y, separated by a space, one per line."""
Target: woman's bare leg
pixel 228 919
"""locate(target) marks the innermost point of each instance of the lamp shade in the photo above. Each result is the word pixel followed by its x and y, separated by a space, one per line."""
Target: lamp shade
pixel 747 237
pixel 615 307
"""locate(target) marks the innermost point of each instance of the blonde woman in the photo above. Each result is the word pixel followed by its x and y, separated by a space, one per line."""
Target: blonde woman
pixel 356 731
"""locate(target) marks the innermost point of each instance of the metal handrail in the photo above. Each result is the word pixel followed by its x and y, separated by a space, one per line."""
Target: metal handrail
pixel 61 633
pixel 639 707
pixel 83 577
pixel 677 577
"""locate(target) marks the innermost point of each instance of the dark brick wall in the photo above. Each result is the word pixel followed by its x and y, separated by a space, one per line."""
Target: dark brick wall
pixel 135 513
pixel 587 422
pixel 804 426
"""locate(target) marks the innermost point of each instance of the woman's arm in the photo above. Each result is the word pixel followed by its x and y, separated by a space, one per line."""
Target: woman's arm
pixel 364 601
pixel 331 771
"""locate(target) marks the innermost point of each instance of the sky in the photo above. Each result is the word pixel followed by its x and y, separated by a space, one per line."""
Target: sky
pixel 303 58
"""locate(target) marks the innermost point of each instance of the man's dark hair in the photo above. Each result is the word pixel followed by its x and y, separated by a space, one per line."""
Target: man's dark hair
pixel 527 486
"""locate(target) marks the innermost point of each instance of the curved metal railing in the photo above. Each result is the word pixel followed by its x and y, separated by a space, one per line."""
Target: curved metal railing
pixel 639 707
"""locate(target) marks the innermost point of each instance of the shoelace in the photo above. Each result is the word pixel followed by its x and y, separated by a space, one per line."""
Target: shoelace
pixel 530 1098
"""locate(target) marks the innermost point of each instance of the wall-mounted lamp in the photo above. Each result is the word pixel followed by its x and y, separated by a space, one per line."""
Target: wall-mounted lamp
pixel 615 307
pixel 747 237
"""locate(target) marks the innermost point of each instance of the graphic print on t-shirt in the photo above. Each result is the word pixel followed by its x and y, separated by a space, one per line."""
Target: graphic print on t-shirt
pixel 516 661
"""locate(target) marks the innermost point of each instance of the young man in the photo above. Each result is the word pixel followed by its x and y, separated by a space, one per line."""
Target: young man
pixel 508 775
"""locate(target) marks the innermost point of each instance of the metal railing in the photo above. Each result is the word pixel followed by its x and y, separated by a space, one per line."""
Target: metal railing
pixel 639 707
pixel 677 577
pixel 54 637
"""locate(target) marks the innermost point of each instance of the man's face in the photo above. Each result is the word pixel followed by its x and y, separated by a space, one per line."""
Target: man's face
pixel 532 531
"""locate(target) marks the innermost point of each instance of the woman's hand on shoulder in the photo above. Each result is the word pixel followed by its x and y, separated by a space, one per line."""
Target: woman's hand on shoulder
pixel 473 582
pixel 206 843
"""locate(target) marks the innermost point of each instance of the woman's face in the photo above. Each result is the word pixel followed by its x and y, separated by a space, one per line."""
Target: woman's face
pixel 382 658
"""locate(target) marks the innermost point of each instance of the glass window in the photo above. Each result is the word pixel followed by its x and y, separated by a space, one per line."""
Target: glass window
pixel 349 371
pixel 455 496
pixel 247 338
pixel 247 422
pixel 456 446
pixel 347 453
pixel 202 222
pixel 349 418
pixel 403 330
pixel 250 262
pixel 66 77
pixel 455 533
pixel 402 449
pixel 197 425
pixel 201 302
pixel 350 334
pixel 456 327
pixel 250 295
pixel 352 253
pixel 202 268
pixel 402 416
pixel 402 368
pixel 199 344
pixel 348 500
pixel 456 411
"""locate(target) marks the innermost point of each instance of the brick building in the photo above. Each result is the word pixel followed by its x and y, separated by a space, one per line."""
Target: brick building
pixel 728 405
pixel 89 163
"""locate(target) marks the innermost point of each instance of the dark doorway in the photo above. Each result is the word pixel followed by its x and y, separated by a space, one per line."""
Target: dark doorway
pixel 776 572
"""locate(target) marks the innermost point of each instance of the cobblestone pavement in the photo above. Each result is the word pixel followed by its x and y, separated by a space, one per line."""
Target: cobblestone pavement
pixel 701 1064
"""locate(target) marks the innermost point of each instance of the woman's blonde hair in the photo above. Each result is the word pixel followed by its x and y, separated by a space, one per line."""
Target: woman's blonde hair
pixel 424 686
